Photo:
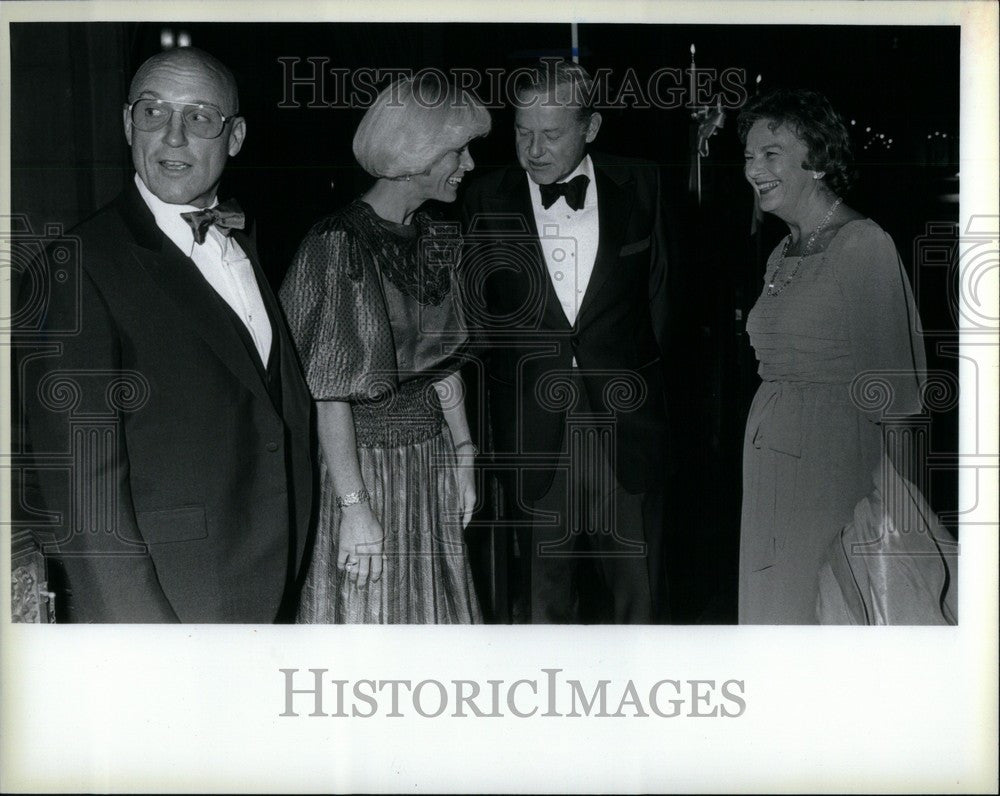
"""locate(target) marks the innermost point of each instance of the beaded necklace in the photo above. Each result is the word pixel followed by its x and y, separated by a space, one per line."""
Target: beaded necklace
pixel 771 290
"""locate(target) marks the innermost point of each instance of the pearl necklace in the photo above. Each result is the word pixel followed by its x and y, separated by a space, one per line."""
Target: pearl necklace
pixel 771 290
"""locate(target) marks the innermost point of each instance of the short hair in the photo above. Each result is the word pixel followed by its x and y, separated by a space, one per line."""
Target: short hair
pixel 811 117
pixel 551 74
pixel 193 57
pixel 413 122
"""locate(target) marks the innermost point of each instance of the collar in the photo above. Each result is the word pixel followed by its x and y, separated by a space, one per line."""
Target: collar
pixel 168 217
pixel 585 167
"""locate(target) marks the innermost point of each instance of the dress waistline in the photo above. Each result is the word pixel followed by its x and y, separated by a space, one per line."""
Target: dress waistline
pixel 405 417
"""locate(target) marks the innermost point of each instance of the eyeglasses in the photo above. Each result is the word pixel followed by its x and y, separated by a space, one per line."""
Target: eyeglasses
pixel 202 121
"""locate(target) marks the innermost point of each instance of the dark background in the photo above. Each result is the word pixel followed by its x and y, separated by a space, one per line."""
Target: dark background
pixel 69 157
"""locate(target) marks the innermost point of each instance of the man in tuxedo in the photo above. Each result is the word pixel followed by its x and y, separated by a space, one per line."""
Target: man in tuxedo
pixel 565 272
pixel 172 385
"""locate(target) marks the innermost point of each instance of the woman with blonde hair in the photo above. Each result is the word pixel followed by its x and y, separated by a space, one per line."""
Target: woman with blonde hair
pixel 370 299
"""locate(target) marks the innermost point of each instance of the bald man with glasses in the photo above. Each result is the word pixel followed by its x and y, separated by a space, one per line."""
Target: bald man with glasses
pixel 191 500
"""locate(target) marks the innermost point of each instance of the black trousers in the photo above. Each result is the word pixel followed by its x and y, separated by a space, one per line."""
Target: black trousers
pixel 595 551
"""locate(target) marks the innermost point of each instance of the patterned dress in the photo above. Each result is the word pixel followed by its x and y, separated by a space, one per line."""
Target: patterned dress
pixel 839 350
pixel 371 307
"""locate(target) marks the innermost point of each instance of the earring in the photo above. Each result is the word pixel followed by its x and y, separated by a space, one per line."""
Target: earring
pixel 818 175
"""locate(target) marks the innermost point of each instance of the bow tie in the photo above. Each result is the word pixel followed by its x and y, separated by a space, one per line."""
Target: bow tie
pixel 226 217
pixel 575 190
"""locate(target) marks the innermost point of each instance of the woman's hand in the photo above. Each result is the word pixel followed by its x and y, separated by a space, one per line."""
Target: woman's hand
pixel 451 391
pixel 360 549
pixel 466 475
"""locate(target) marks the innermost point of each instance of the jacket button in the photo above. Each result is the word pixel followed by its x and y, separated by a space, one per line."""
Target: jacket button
pixel 272 446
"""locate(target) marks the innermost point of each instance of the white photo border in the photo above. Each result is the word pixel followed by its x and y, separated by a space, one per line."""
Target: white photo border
pixel 197 708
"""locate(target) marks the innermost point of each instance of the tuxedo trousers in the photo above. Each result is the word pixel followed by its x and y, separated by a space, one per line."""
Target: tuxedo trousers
pixel 595 550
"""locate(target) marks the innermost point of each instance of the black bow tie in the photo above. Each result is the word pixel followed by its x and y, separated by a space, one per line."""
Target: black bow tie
pixel 575 190
pixel 226 217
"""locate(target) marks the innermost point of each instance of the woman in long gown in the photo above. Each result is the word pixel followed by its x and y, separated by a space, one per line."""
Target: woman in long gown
pixel 370 301
pixel 837 336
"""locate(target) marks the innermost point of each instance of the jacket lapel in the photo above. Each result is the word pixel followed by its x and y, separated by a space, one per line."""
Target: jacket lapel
pixel 614 204
pixel 196 302
pixel 293 386
pixel 514 197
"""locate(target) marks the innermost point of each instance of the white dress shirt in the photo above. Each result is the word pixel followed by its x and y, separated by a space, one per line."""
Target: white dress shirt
pixel 221 261
pixel 568 239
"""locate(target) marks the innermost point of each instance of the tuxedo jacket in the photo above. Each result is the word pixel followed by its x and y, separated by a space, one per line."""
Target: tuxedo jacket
pixel 174 469
pixel 530 345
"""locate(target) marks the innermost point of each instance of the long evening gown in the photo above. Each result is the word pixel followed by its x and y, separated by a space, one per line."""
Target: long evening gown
pixel 371 307
pixel 839 350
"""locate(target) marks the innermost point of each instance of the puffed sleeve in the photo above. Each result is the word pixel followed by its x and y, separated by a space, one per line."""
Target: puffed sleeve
pixel 882 321
pixel 336 313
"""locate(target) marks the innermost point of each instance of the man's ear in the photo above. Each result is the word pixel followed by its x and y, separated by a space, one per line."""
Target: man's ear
pixel 127 122
pixel 236 135
pixel 593 126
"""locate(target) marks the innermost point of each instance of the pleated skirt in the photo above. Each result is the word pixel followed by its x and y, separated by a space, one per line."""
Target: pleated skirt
pixel 426 577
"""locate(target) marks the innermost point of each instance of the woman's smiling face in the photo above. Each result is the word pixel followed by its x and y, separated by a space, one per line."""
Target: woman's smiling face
pixel 442 177
pixel 774 167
